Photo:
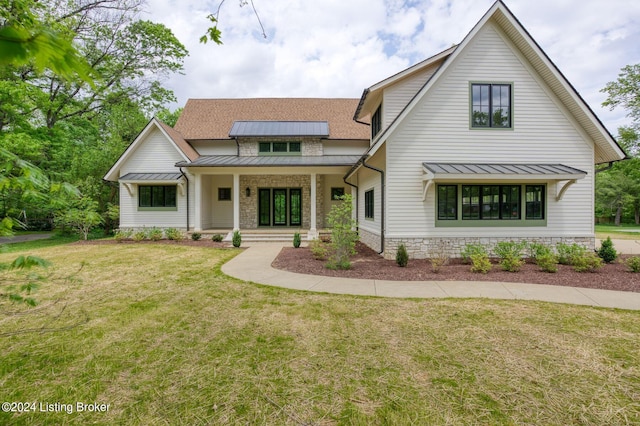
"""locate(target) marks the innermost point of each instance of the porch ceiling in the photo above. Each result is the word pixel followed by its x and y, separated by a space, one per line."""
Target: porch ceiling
pixel 272 161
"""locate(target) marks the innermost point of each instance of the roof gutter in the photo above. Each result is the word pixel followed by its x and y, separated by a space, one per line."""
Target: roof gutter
pixel 344 178
pixel 382 189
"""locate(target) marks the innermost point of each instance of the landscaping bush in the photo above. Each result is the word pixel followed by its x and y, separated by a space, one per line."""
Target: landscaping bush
pixel 633 263
pixel 343 235
pixel 537 250
pixel 173 234
pixel 548 262
pixel 510 254
pixel 439 256
pixel 155 234
pixel 195 236
pixel 567 252
pixel 471 249
pixel 140 235
pixel 296 240
pixel 402 257
pixel 236 239
pixel 318 249
pixel 217 238
pixel 123 234
pixel 607 252
pixel 587 262
pixel 480 263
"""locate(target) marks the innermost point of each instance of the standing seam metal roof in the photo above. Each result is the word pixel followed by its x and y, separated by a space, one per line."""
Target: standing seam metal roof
pixel 502 169
pixel 279 128
pixel 271 161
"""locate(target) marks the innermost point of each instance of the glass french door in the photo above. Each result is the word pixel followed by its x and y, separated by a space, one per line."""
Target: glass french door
pixel 279 206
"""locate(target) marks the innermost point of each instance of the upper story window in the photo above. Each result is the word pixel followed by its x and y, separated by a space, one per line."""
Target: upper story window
pixel 279 148
pixel 491 105
pixel 376 122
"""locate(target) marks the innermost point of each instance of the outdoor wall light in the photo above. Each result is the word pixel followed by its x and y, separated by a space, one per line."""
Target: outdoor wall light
pixel 248 192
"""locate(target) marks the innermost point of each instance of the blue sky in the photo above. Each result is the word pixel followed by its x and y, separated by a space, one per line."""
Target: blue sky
pixel 337 48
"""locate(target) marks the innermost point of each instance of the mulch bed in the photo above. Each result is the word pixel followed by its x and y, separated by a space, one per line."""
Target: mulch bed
pixel 368 264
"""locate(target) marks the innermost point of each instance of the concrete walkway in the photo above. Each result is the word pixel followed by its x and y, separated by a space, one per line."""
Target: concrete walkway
pixel 254 264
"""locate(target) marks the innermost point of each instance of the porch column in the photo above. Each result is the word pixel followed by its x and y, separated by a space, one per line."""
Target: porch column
pixel 313 231
pixel 197 203
pixel 236 202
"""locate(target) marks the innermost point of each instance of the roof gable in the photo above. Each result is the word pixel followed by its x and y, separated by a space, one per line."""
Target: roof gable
pixel 184 149
pixel 214 118
pixel 606 148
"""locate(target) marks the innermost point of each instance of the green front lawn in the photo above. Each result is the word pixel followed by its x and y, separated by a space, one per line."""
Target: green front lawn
pixel 624 232
pixel 163 337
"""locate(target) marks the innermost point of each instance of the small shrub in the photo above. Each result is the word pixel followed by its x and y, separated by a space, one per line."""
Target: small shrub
pixel 633 263
pixel 140 236
pixel 402 257
pixel 511 264
pixel 439 257
pixel 480 263
pixel 537 250
pixel 318 249
pixel 196 236
pixel 343 234
pixel 343 264
pixel 607 252
pixel 510 254
pixel 548 262
pixel 587 262
pixel 567 252
pixel 122 234
pixel 471 249
pixel 173 234
pixel 237 238
pixel 296 240
pixel 217 238
pixel 155 234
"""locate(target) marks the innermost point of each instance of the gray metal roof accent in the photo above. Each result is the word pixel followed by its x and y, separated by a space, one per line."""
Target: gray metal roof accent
pixel 279 128
pixel 502 169
pixel 150 176
pixel 271 161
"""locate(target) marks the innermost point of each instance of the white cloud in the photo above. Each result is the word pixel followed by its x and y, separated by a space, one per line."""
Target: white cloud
pixel 336 48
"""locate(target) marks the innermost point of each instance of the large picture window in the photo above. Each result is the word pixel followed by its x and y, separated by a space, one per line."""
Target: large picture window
pixel 157 196
pixel 491 105
pixel 522 204
pixel 368 204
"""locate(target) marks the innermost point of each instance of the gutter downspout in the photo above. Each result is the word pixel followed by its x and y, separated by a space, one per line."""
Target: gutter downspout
pixel 364 163
pixel 186 179
pixel 604 169
pixel 344 178
pixel 237 147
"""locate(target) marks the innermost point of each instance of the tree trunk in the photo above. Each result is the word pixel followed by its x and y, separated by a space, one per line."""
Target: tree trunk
pixel 618 214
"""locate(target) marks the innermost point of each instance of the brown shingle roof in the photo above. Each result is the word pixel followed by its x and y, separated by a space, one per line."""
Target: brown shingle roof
pixel 213 118
pixel 179 141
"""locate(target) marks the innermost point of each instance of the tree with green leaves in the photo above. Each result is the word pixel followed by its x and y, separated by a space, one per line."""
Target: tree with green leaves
pixel 618 189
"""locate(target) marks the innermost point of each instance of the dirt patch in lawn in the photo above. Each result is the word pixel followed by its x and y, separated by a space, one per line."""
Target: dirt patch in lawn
pixel 368 264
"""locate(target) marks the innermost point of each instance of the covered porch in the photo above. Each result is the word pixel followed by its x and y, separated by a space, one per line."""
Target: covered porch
pixel 263 198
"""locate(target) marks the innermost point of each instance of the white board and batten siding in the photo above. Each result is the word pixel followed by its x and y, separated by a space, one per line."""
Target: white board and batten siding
pixel 156 154
pixel 437 130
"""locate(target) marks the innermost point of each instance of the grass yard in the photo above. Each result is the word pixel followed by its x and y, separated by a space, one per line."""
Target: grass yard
pixel 625 231
pixel 163 337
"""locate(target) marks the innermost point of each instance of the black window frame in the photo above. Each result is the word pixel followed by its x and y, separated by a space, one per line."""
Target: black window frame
pixel 369 204
pixel 478 104
pixel 275 148
pixel 487 202
pixel 224 194
pixel 337 193
pixel 542 201
pixel 159 196
pixel 376 122
pixel 445 204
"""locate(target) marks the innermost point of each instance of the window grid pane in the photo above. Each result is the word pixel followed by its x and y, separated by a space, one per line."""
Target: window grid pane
pixel 534 198
pixel 447 202
pixel 264 147
pixel 491 105
pixel 368 204
pixel 157 196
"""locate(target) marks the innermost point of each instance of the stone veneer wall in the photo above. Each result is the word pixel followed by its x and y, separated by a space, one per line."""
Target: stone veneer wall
pixel 249 205
pixel 310 147
pixel 370 239
pixel 419 248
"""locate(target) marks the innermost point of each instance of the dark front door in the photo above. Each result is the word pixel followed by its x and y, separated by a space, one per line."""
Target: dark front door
pixel 279 207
